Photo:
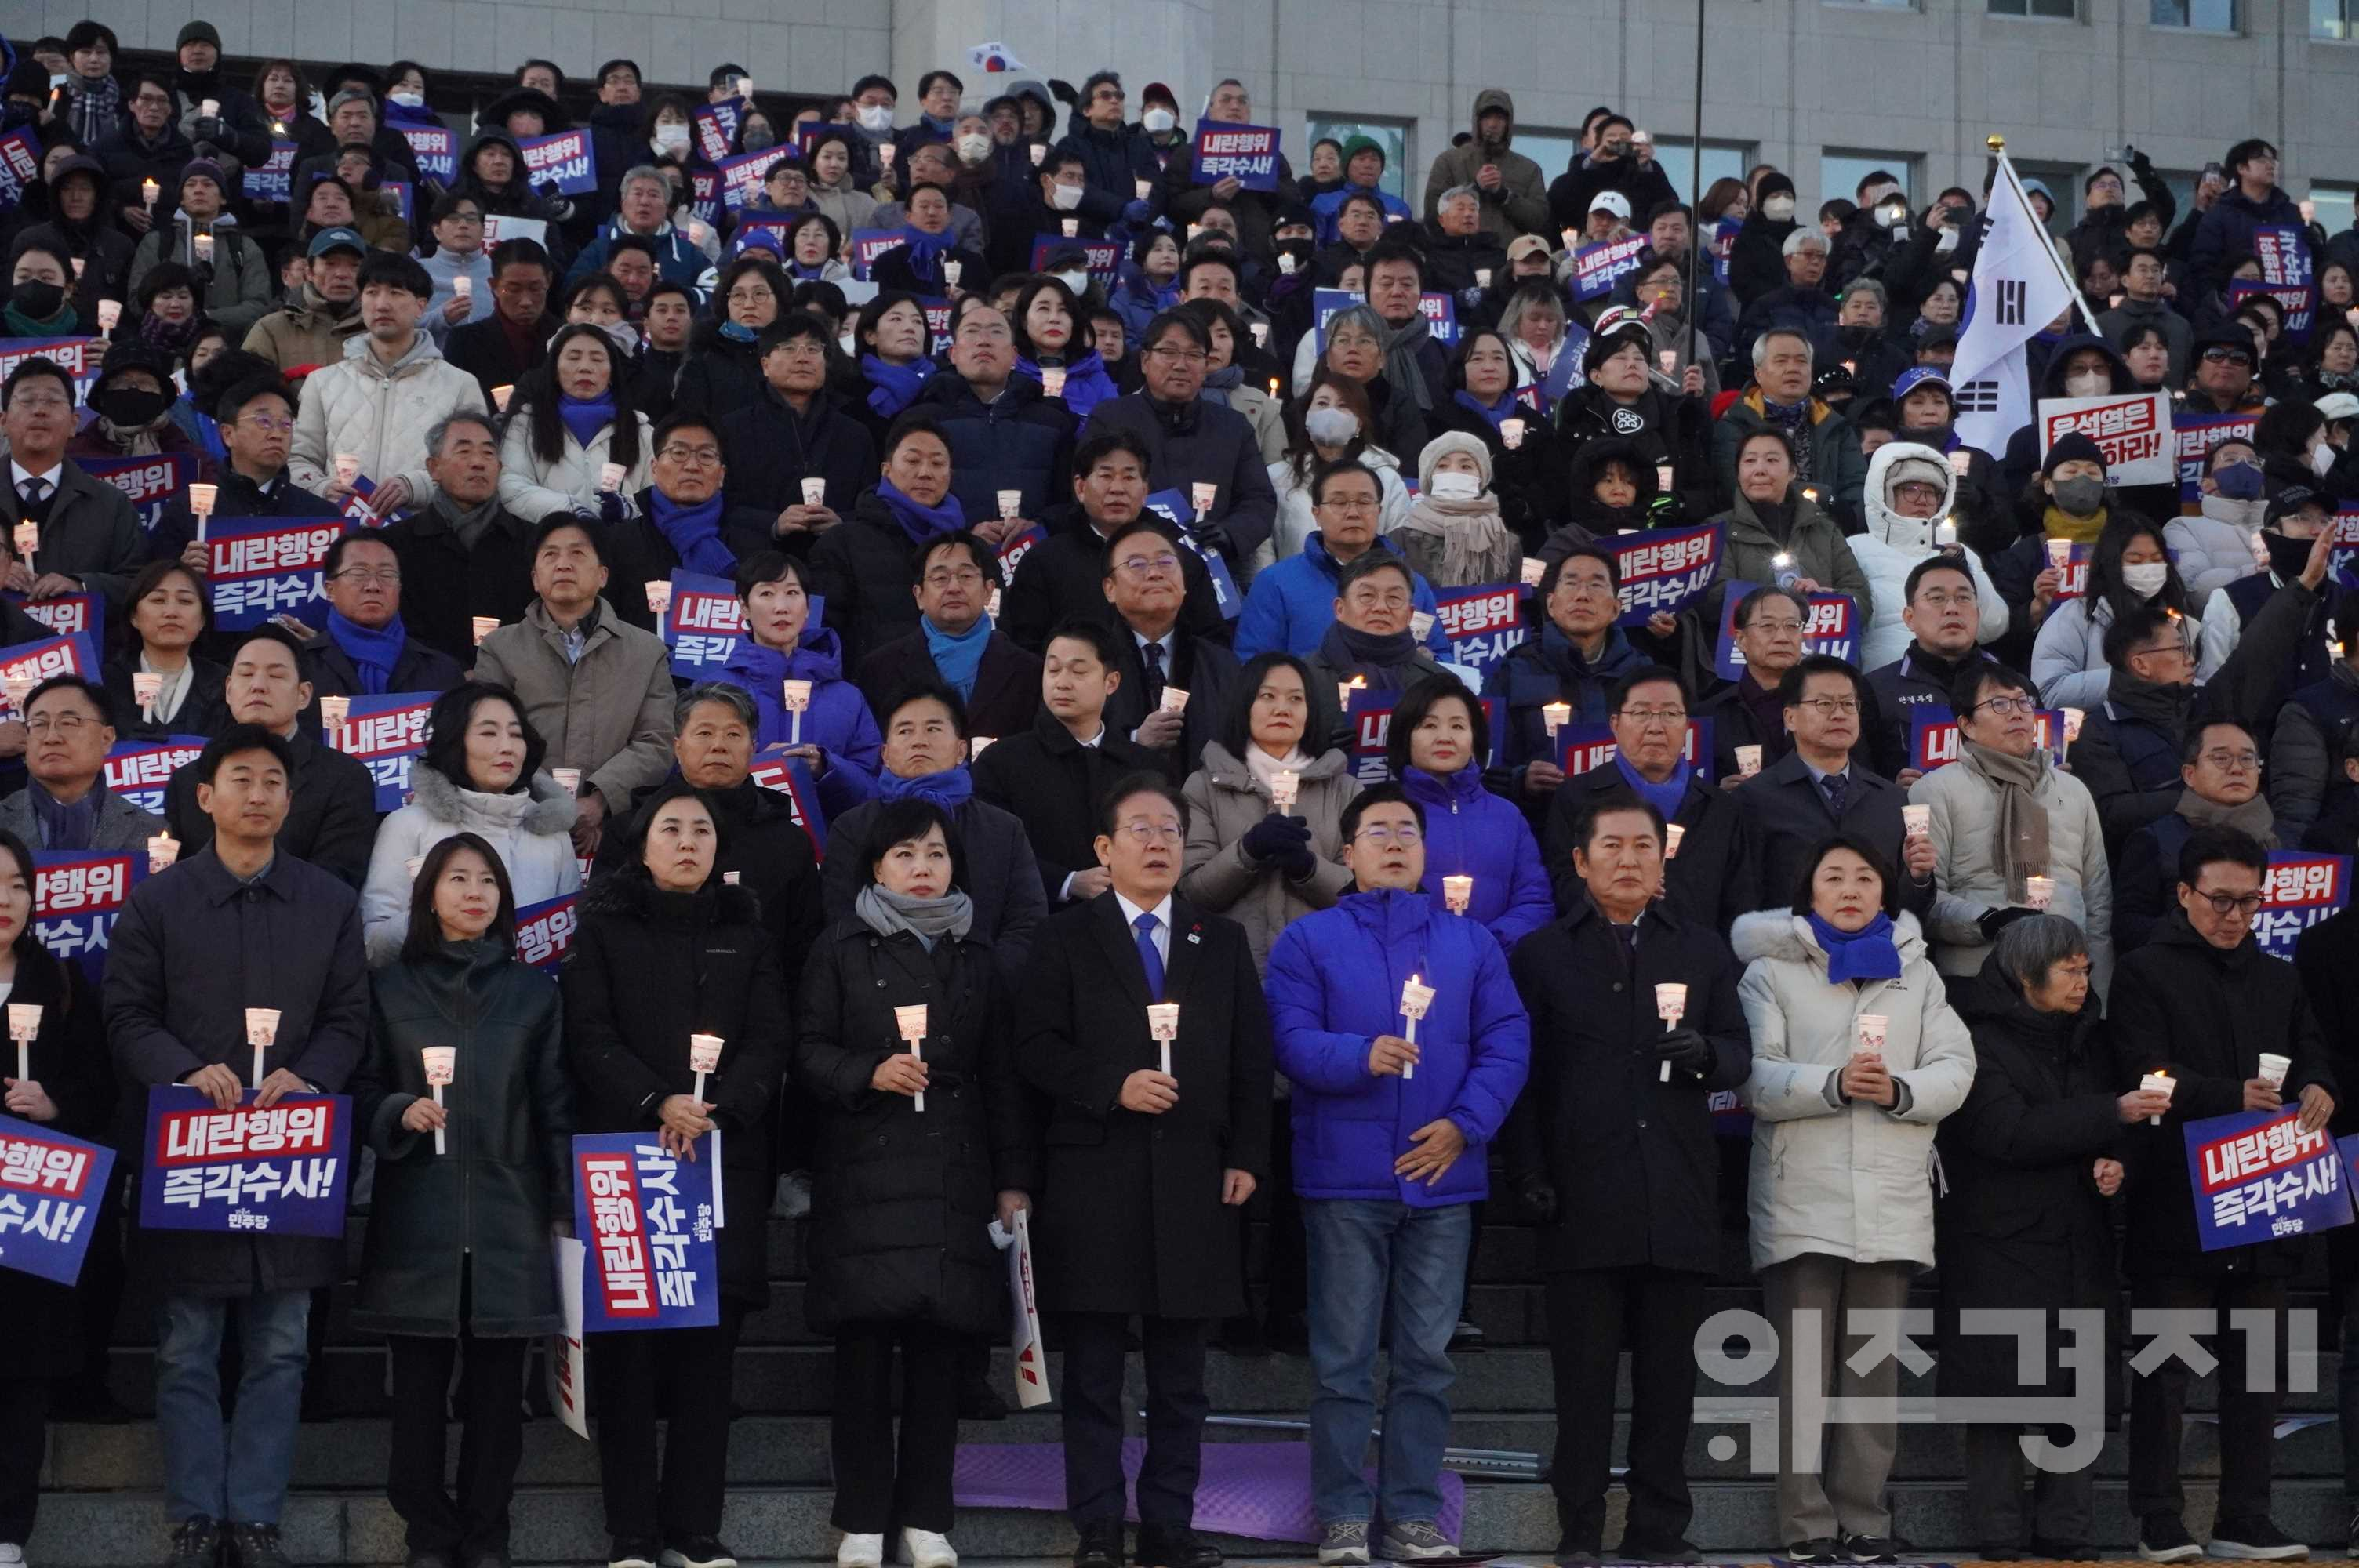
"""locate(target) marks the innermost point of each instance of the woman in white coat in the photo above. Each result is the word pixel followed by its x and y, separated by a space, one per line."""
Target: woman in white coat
pixel 1856 1057
pixel 1911 489
pixel 2130 566
pixel 481 775
pixel 2217 545
pixel 570 417
pixel 1328 424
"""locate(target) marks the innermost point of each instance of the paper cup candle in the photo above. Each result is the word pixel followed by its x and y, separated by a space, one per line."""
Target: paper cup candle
pixel 911 1022
pixel 26 538
pixel 2074 719
pixel 1945 532
pixel 1671 1006
pixel 610 477
pixel 262 1034
pixel 204 248
pixel 977 744
pixel 1072 227
pixel 2060 553
pixel 2157 1082
pixel 1481 277
pixel 1420 625
pixel 1011 505
pixel 1749 761
pixel 485 626
pixel 348 468
pixel 1416 997
pixel 1163 1024
pixel 566 779
pixel 162 850
pixel 1052 381
pixel 2039 890
pixel 1533 569
pixel 1511 434
pixel 2274 1067
pixel 1918 819
pixel 20 690
pixel 147 191
pixel 500 396
pixel 441 1067
pixel 109 311
pixel 146 686
pixel 1959 461
pixel 951 268
pixel 463 286
pixel 333 711
pixel 659 596
pixel 814 492
pixel 703 1058
pixel 200 505
pixel 1285 788
pixel 1556 716
pixel 24 1026
pixel 1457 894
pixel 1672 833
pixel 1202 493
pixel 1141 187
pixel 1260 330
pixel 795 696
pixel 1174 700
pixel 1872 1027
pixel 1039 153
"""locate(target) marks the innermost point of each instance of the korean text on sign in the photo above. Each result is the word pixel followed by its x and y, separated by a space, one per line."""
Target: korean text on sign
pixel 1246 153
pixel 387 734
pixel 1663 571
pixel 2302 890
pixel 703 625
pixel 262 566
pixel 1482 624
pixel 566 157
pixel 280 1170
pixel 50 1185
pixel 78 895
pixel 544 931
pixel 2258 1175
pixel 2134 432
pixel 647 1221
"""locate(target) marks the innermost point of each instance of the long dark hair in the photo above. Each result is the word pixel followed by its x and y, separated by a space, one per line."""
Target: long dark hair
pixel 1084 338
pixel 445 733
pixel 539 393
pixel 2105 585
pixel 27 946
pixel 150 576
pixel 1876 862
pixel 634 843
pixel 1236 724
pixel 425 926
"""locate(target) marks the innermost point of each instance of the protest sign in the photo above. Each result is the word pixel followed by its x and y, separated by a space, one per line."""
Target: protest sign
pixel 2257 1176
pixel 714 126
pixel 434 149
pixel 271 180
pixel 1482 624
pixel 1832 628
pixel 741 178
pixel 791 776
pixel 78 895
pixel 139 771
pixel 1584 748
pixel 567 158
pixel 68 615
pixel 38 661
pixel 2288 273
pixel 1012 551
pixel 2193 435
pixel 496 228
pixel 2132 429
pixel 50 1185
pixel 262 566
pixel 2303 889
pixel 1104 255
pixel 385 734
pixel 867 244
pixel 568 1367
pixel 1368 725
pixel 1934 735
pixel 1247 152
pixel 78 357
pixel 20 165
pixel 701 625
pixel 647 1219
pixel 544 931
pixel 1663 571
pixel 280 1169
pixel 1597 268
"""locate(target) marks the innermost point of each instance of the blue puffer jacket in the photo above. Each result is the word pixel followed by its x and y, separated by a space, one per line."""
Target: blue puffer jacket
pixel 1471 832
pixel 838 721
pixel 1022 440
pixel 1334 984
pixel 676 260
pixel 1549 668
pixel 1326 208
pixel 1292 603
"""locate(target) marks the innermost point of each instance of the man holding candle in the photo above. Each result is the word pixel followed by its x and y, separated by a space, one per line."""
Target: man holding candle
pixel 1370 644
pixel 90 540
pixel 1939 606
pixel 1624 1090
pixel 240 922
pixel 1144 582
pixel 1751 712
pixel 235 273
pixel 1148 1167
pixel 1390 1144
pixel 1190 441
pixel 1004 433
pixel 255 420
pixel 69 728
pixel 2202 1002
pixel 1574 661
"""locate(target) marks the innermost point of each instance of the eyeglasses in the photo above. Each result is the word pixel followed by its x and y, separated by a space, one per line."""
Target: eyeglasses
pixel 69 725
pixel 1170 356
pixel 946 579
pixel 1655 714
pixel 1150 832
pixel 1941 600
pixel 462 217
pixel 1777 628
pixel 2227 357
pixel 1833 706
pixel 2226 904
pixel 267 425
pixel 40 400
pixel 1405 836
pixel 1140 566
pixel 1349 505
pixel 2235 761
pixel 363 577
pixel 701 456
pixel 2177 650
pixel 2007 706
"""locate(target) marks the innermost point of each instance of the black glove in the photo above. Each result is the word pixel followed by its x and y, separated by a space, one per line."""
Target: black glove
pixel 1062 91
pixel 611 508
pixel 1685 1050
pixel 1539 1201
pixel 1275 837
pixel 1299 864
pixel 1993 921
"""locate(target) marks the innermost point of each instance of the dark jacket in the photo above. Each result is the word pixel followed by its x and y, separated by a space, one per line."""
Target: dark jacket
pixel 1055 786
pixel 1205 670
pixel 627 1041
pixel 1202 443
pixel 204 711
pixel 446 584
pixel 103 250
pixel 1571 193
pixel 2326 957
pixel 1757 262
pixel 1671 429
pixel 475 1217
pixel 2019 1224
pixel 1257 212
pixel 1633 1161
pixel 904 1200
pixel 1020 440
pixel 1547 667
pixel 1794 307
pixel 234 495
pixel 2225 232
pixel 1111 162
pixel 1001 876
pixel 420 667
pixel 69 1061
pixel 1783 811
pixel 772 451
pixel 483 349
pixel 1064 574
pixel 331 816
pixel 719 374
pixel 1915 679
pixel 130 157
pixel 861 566
pixel 1708 883
pixel 90 533
pixel 193 949
pixel 2204 1016
pixel 1007 693
pixel 1130 1217
pixel 761 841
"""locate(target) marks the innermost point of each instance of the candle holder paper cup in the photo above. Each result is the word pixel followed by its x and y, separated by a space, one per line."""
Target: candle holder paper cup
pixel 1011 505
pixel 814 492
pixel 1420 625
pixel 262 1027
pixel 109 311
pixel 2060 553
pixel 485 626
pixel 659 596
pixel 1749 761
pixel 1052 382
pixel 1285 788
pixel 24 1021
pixel 1163 1027
pixel 1672 833
pixel 1511 434
pixel 1873 1029
pixel 705 1053
pixel 1457 894
pixel 2274 1067
pixel 441 1064
pixel 348 468
pixel 2074 719
pixel 795 696
pixel 333 711
pixel 2161 1084
pixel 911 1022
pixel 463 286
pixel 500 396
pixel 19 689
pixel 566 779
pixel 1919 820
pixel 1556 716
pixel 1174 699
pixel 610 476
pixel 146 686
pixel 201 498
pixel 951 268
pixel 163 850
pixel 2039 892
pixel 1202 494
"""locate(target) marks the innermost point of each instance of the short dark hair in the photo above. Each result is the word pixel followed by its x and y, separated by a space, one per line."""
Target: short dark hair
pixel 1205 258
pixel 926 82
pixel 230 405
pixel 1597 553
pixel 1328 472
pixel 1645 675
pixel 35 368
pixel 2138 624
pixel 521 253
pixel 344 545
pixel 446 732
pixel 1089 629
pixel 926 691
pixel 1376 795
pixel 1095 449
pixel 2191 749
pixel 2219 845
pixel 556 523
pixel 618 244
pixel 1393 251
pixel 1939 561
pixel 1176 320
pixel 898 822
pixel 984 556
pixel 690 421
pixel 1798 679
pixel 1130 787
pixel 240 738
pixel 2248 149
pixel 1586 813
pixel 1967 686
pixel 793 327
pixel 268 631
pixel 912 422
pixel 1877 862
pixel 1421 697
pixel 394 269
pixel 1152 522
pixel 1751 602
pixel 1368 563
pixel 873 80
pixel 767 566
pixel 90 688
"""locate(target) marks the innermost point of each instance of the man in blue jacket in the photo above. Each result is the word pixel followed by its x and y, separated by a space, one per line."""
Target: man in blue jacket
pixel 1291 604
pixel 1390 1159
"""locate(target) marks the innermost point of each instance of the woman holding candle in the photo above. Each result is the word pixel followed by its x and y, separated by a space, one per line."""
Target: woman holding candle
pixel 1527 462
pixel 569 417
pixel 2130 566
pixel 1229 381
pixel 168 612
pixel 834 735
pixel 1856 1057
pixel 1455 534
pixel 481 775
pixel 1052 331
pixel 663 912
pixel 456 1263
pixel 922 1140
pixel 1779 531
pixel 1435 746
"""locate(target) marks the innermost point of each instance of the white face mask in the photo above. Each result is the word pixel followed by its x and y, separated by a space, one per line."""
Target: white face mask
pixel 2147 577
pixel 671 139
pixel 1159 121
pixel 973 148
pixel 409 99
pixel 2321 457
pixel 877 116
pixel 1064 198
pixel 1947 243
pixel 2089 383
pixel 1777 209
pixel 1331 427
pixel 1078 282
pixel 1452 485
pixel 850 347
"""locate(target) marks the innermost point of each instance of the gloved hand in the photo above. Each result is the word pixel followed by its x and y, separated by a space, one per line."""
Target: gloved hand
pixel 612 507
pixel 1275 837
pixel 1062 91
pixel 1138 211
pixel 1993 921
pixel 1539 1201
pixel 1299 864
pixel 205 128
pixel 1471 296
pixel 1686 1051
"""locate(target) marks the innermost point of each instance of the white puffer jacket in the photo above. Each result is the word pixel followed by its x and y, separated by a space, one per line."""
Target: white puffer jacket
pixel 1966 881
pixel 1849 1181
pixel 532 832
pixel 533 488
pixel 2215 548
pixel 379 415
pixel 1893 545
pixel 1295 524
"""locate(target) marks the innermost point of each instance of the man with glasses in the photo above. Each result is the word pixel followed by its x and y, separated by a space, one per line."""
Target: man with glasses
pixel 2220 374
pixel 1708 881
pixel 147 145
pixel 1004 433
pixel 499 347
pixel 65 804
pixel 679 519
pixel 90 537
pixel 2221 770
pixel 956 644
pixel 1113 153
pixel 2202 1002
pixel 1751 711
pixel 1390 1164
pixel 458 253
pixel 255 419
pixel 1821 788
pixel 1257 212
pixel 1370 644
pixel 1191 441
pixel 1942 603
pixel 1144 583
pixel 2002 813
pixel 1575 659
pixel 1064 575
pixel 1292 603
pixel 312 330
pixel 1155 1145
pixel 365 650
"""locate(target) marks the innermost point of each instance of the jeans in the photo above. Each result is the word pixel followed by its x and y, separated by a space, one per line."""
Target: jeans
pixel 238 1473
pixel 1363 1252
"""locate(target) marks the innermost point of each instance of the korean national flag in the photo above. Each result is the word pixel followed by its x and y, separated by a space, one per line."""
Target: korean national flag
pixel 2017 289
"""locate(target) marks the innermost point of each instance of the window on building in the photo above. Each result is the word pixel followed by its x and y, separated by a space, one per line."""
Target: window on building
pixel 1394 139
pixel 2058 10
pixel 2063 183
pixel 1841 172
pixel 2334 205
pixel 2337 19
pixel 1721 160
pixel 1551 150
pixel 2203 15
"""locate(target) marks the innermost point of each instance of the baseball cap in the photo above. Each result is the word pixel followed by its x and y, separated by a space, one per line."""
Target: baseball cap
pixel 2337 405
pixel 338 239
pixel 1612 202
pixel 1524 245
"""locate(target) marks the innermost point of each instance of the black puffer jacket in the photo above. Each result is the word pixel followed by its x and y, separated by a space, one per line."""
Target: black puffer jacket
pixel 904 1198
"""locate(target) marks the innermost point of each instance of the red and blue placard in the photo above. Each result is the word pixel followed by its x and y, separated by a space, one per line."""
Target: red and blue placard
pixel 2257 1177
pixel 262 566
pixel 1832 628
pixel 280 1169
pixel 1247 153
pixel 703 625
pixel 149 482
pixel 78 895
pixel 2303 889
pixel 1663 570
pixel 140 771
pixel 647 1218
pixel 385 734
pixel 1584 748
pixel 790 777
pixel 568 157
pixel 50 1186
pixel 544 931
pixel 1483 624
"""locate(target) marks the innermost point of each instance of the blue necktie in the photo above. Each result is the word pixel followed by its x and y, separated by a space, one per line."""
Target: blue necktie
pixel 1838 788
pixel 1148 958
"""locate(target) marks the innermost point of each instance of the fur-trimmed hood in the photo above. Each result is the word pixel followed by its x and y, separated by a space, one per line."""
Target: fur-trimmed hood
pixel 631 894
pixel 1782 934
pixel 546 811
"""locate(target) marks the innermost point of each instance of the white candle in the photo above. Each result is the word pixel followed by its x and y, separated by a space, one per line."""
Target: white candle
pixel 1534 568
pixel 2060 553
pixel 1959 460
pixel 951 268
pixel 1163 1024
pixel 333 711
pixel 795 696
pixel 658 591
pixel 911 1021
pixel 1872 1027
pixel 146 686
pixel 815 492
pixel 162 850
pixel 1052 381
pixel 703 1057
pixel 1749 761
pixel 441 1065
pixel 1140 188
pixel 1481 277
pixel 1285 786
pixel 1039 154
pixel 109 311
pixel 1072 227
pixel 1671 1006
pixel 1511 433
pixel 2157 1082
pixel 1203 493
pixel 261 1033
pixel 485 626
pixel 200 505
pixel 500 396
pixel 463 286
pixel 1414 998
pixel 1457 894
pixel 1556 716
pixel 1260 330
pixel 2274 1067
pixel 2039 890
pixel 26 537
pixel 20 690
pixel 24 1026
pixel 1011 502
pixel 1917 820
pixel 205 247
pixel 148 193
pixel 610 477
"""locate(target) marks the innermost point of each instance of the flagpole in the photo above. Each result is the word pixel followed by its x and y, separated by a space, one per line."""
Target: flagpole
pixel 1695 206
pixel 1998 147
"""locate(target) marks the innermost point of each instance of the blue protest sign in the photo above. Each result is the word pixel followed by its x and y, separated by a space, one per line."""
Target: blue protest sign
pixel 1104 255
pixel 1482 624
pixel 648 1220
pixel 2287 272
pixel 704 195
pixel 741 177
pixel 385 733
pixel 566 157
pixel 1582 748
pixel 1441 317
pixel 1723 245
pixel 2303 889
pixel 1663 571
pixel 1830 628
pixel 1180 511
pixel 714 126
pixel 1012 551
pixel 50 1185
pixel 271 181
pixel 140 771
pixel 701 625
pixel 149 482
pixel 33 662
pixel 1934 735
pixel 20 165
pixel 434 149
pixel 1249 153
pixel 78 895
pixel 78 357
pixel 2194 435
pixel 282 1169
pixel 68 615
pixel 262 566
pixel 1597 268
pixel 2258 1177
pixel 867 244
pixel 544 931
pixel 789 776
pixel 1368 724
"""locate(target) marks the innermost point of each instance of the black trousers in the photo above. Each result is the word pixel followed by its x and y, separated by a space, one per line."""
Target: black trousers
pixel 1176 1408
pixel 98 1292
pixel 683 1374
pixel 1592 1313
pixel 2063 1504
pixel 2158 1400
pixel 491 1443
pixel 24 1422
pixel 877 1486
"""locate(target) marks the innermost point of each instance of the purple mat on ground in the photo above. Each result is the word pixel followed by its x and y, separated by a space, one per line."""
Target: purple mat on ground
pixel 1261 1490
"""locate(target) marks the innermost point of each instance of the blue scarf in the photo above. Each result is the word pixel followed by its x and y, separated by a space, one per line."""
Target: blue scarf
pixel 949 789
pixel 1496 414
pixel 586 417
pixel 892 387
pixel 694 532
pixel 373 654
pixel 958 658
pixel 1867 954
pixel 926 251
pixel 920 523
pixel 1666 796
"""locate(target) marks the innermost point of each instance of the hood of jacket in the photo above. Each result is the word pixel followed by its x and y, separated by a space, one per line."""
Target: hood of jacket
pixel 2051 380
pixel 421 352
pixel 1912 462
pixel 544 811
pixel 1595 454
pixel 631 894
pixel 1782 934
pixel 1487 100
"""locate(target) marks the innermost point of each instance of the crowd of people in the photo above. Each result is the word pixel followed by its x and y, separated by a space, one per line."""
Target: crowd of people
pixel 1055 583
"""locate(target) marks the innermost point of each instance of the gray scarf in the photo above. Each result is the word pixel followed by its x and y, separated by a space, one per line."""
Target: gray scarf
pixel 1401 370
pixel 2254 816
pixel 889 914
pixel 2020 843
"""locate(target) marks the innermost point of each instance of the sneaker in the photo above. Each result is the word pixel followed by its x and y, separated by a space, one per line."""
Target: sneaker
pixel 1100 1546
pixel 1876 1548
pixel 1174 1548
pixel 2253 1540
pixel 1345 1543
pixel 699 1551
pixel 1466 1336
pixel 1819 1551
pixel 633 1554
pixel 860 1552
pixel 196 1544
pixel 927 1549
pixel 11 1554
pixel 792 1200
pixel 256 1545
pixel 2163 1537
pixel 1413 1540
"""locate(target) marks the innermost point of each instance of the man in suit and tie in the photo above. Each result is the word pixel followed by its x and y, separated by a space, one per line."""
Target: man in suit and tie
pixel 955 644
pixel 1818 789
pixel 89 538
pixel 1153 1147
pixel 1143 585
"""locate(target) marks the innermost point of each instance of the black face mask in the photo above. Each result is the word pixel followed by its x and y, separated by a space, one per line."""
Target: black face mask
pixel 2288 556
pixel 37 301
pixel 1858 337
pixel 129 408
